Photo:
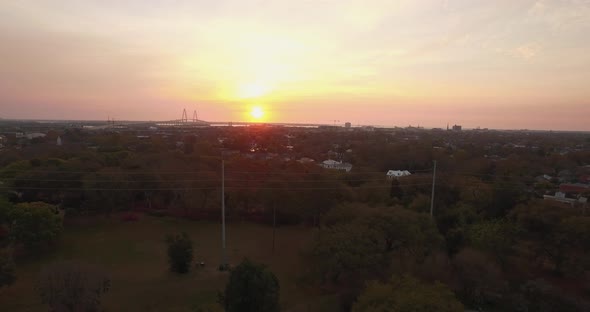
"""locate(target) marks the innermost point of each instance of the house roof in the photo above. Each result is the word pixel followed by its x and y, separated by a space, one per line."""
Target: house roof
pixel 574 187
pixel 398 173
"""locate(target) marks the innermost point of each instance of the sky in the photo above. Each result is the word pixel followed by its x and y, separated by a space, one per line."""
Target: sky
pixel 504 64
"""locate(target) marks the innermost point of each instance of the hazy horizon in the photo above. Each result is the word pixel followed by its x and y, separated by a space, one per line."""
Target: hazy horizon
pixel 497 65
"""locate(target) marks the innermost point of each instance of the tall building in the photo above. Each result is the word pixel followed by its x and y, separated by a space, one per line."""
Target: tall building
pixel 456 128
pixel 347 125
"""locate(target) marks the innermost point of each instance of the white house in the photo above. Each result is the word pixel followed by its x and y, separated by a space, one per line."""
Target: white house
pixel 397 174
pixel 34 135
pixel 306 160
pixel 336 165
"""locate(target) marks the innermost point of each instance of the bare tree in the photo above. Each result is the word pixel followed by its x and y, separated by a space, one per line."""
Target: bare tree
pixel 72 287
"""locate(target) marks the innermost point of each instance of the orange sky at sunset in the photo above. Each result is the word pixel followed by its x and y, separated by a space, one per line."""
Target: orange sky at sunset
pixel 494 64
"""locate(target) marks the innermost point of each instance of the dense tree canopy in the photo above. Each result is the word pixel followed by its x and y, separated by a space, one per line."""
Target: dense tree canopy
pixel 34 224
pixel 251 288
pixel 406 294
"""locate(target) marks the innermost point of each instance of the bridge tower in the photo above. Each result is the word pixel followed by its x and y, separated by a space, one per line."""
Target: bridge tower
pixel 184 116
pixel 195 117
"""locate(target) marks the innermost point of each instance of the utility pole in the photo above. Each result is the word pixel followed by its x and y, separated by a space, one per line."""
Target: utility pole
pixel 432 196
pixel 223 253
pixel 274 225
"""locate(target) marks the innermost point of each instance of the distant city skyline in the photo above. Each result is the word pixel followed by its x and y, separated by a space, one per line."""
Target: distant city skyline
pixel 490 64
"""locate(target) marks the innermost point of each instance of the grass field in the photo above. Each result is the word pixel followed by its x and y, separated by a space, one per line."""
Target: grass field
pixel 134 255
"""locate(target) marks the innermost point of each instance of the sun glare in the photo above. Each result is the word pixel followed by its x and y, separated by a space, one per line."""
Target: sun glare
pixel 257 113
pixel 253 90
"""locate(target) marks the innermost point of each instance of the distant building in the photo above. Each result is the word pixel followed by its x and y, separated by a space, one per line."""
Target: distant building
pixel 58 141
pixel 562 198
pixel 306 160
pixel 34 135
pixel 336 165
pixel 391 174
pixel 347 125
pixel 574 188
pixel 457 128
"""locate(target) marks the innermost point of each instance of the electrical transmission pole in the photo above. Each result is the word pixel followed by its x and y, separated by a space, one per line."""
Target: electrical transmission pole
pixel 223 252
pixel 432 196
pixel 274 225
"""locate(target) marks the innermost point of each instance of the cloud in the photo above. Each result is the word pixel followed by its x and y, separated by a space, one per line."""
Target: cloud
pixel 526 51
pixel 561 15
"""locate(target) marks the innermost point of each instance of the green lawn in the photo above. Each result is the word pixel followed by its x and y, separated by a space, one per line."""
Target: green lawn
pixel 134 254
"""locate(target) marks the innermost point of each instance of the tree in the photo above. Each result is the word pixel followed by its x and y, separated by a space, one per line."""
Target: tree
pixel 208 308
pixel 406 232
pixel 496 237
pixel 453 222
pixel 7 272
pixel 555 234
pixel 72 287
pixel 34 224
pixel 406 294
pixel 539 295
pixel 480 279
pixel 349 251
pixel 251 288
pixel 180 252
pixel 361 247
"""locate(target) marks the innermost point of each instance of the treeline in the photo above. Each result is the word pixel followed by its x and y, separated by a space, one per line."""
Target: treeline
pixel 491 242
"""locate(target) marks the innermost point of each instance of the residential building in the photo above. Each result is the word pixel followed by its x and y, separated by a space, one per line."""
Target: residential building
pixel 391 174
pixel 336 165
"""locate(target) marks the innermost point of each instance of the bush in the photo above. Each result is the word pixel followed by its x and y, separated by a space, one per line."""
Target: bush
pixel 34 224
pixel 157 213
pixel 180 252
pixel 129 217
pixel 72 287
pixel 209 308
pixel 251 288
pixel 539 295
pixel 407 294
pixel 7 272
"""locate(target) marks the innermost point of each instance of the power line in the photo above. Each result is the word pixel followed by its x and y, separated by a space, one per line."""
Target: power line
pixel 8 170
pixel 197 188
pixel 191 180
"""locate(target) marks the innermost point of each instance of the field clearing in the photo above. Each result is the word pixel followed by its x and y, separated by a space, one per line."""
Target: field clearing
pixel 134 254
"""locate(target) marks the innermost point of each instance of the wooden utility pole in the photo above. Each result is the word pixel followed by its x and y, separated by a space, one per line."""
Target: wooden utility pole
pixel 223 252
pixel 432 196
pixel 274 225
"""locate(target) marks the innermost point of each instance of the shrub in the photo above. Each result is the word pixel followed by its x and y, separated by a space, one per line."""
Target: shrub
pixel 7 272
pixel 72 287
pixel 251 288
pixel 406 294
pixel 180 252
pixel 34 224
pixel 129 217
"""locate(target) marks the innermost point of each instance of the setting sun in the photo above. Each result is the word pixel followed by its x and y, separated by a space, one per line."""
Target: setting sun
pixel 257 113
